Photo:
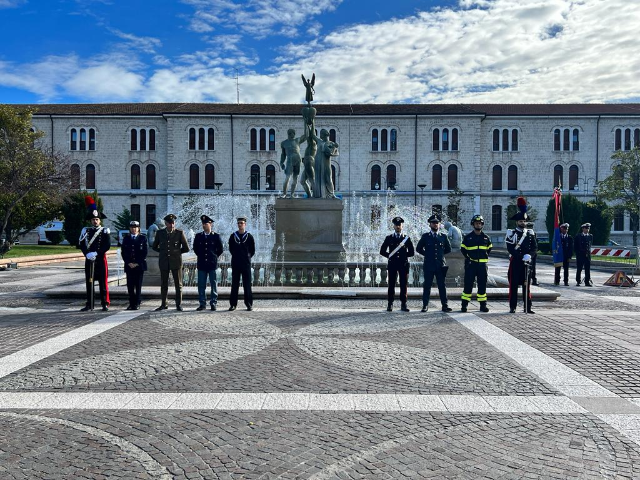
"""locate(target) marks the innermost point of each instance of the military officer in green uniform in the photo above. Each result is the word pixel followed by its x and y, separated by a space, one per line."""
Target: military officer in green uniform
pixel 171 243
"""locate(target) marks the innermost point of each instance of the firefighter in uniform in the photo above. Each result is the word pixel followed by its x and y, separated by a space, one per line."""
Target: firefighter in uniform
pixel 134 255
pixel 397 247
pixel 567 253
pixel 94 243
pixel 242 248
pixel 475 247
pixel 207 245
pixel 171 243
pixel 521 244
pixel 582 247
pixel 434 245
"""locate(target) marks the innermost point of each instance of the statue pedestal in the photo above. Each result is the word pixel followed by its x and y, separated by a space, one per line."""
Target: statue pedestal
pixel 308 229
pixel 152 275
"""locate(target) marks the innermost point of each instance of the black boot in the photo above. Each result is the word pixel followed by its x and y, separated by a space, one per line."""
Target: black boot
pixel 404 307
pixel 463 308
pixel 390 307
pixel 483 307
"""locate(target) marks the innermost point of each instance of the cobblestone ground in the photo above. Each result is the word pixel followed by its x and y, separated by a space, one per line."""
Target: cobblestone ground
pixel 318 388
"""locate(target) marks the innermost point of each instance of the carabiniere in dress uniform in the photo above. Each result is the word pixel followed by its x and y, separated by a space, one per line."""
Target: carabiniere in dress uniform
pixel 397 248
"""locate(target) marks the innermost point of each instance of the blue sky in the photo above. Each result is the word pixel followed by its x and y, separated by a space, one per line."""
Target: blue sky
pixel 392 51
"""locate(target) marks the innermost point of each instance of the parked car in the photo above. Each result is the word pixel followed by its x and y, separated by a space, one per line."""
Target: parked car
pixel 52 226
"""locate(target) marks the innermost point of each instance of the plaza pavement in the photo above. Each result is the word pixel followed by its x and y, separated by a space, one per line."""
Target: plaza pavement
pixel 318 388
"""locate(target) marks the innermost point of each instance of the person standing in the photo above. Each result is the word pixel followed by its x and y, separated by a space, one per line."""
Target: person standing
pixel 207 246
pixel 567 253
pixel 521 244
pixel 434 245
pixel 171 243
pixel 134 255
pixel 582 246
pixel 534 257
pixel 397 248
pixel 242 248
pixel 476 247
pixel 95 241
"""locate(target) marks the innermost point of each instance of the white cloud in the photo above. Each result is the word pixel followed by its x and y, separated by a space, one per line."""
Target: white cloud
pixel 105 82
pixel 11 3
pixel 144 44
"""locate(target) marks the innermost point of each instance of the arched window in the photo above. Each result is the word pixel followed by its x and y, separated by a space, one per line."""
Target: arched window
pixel 134 139
pixel 151 176
pixel 272 139
pixel 152 139
pixel 436 139
pixel 556 140
pixel 201 139
pixel 512 177
pixel 192 138
pixel 90 177
pixel 454 139
pixel 194 177
pixel 636 137
pixel 496 183
pixel 557 176
pixel 391 177
pixel 393 141
pixel 505 140
pixel 618 139
pixel 143 139
pixel 255 177
pixel 263 139
pixel 333 177
pixel 383 140
pixel 627 139
pixel 92 139
pixel 332 135
pixel 376 177
pixel 496 217
pixel 452 177
pixel 210 139
pixel 374 140
pixel 135 177
pixel 253 139
pixel 445 139
pixel 73 140
pixel 496 140
pixel 83 139
pixel 436 177
pixel 209 177
pixel 514 140
pixel 270 174
pixel 75 176
pixel 576 140
pixel 565 140
pixel 573 177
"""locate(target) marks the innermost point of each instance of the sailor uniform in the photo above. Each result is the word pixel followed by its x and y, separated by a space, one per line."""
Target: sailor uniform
pixel 242 248
pixel 134 250
pixel 582 247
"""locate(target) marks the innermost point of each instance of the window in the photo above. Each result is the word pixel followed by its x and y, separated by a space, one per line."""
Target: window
pixel 514 140
pixel 452 213
pixel 201 139
pixel 576 140
pixel 83 139
pixel 209 177
pixel 272 139
pixel 505 140
pixel 383 140
pixel 75 176
pixel 557 176
pixel 270 177
pixel 374 140
pixel 253 140
pixel 152 139
pixel 636 137
pixel 151 176
pixel 333 177
pixel 512 177
pixel 633 221
pixel 150 215
pixel 332 135
pixel 618 219
pixel 436 139
pixel 394 140
pixel 194 177
pixel 376 177
pixel 496 217
pixel 134 139
pixel 445 139
pixel 436 177
pixel 210 139
pixel 255 177
pixel 556 140
pixel 454 139
pixel 143 139
pixel 627 138
pixel 452 177
pixel 135 177
pixel 496 183
pixel 496 140
pixel 263 139
pixel 135 212
pixel 565 140
pixel 90 177
pixel 92 139
pixel 573 177
pixel 391 177
pixel 192 139
pixel 618 139
pixel 73 140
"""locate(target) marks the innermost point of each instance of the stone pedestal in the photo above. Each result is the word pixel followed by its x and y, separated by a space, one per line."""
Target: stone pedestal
pixel 152 275
pixel 311 229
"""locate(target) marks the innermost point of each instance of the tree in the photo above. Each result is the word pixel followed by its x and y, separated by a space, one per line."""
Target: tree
pixel 74 212
pixel 571 213
pixel 122 220
pixel 623 185
pixel 454 212
pixel 599 215
pixel 33 180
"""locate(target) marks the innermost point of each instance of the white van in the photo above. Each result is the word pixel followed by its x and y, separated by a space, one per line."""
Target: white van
pixel 51 226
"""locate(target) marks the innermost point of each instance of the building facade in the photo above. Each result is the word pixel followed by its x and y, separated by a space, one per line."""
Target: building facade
pixel 148 157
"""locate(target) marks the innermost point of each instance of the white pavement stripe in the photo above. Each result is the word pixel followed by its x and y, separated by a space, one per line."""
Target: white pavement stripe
pixel 24 358
pixel 563 378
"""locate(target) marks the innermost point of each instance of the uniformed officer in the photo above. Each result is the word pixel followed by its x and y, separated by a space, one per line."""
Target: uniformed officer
pixel 134 254
pixel 567 253
pixel 397 247
pixel 534 257
pixel 582 246
pixel 521 244
pixel 475 247
pixel 207 246
pixel 94 243
pixel 171 243
pixel 434 245
pixel 242 248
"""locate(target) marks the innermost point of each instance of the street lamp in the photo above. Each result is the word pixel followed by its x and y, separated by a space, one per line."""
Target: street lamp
pixel 217 186
pixel 421 186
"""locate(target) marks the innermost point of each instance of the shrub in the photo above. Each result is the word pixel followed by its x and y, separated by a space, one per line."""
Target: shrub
pixel 55 237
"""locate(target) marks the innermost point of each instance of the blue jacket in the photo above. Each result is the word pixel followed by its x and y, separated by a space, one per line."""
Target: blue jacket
pixel 434 248
pixel 207 248
pixel 134 251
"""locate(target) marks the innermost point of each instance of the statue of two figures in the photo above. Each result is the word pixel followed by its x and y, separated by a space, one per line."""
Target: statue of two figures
pixel 316 164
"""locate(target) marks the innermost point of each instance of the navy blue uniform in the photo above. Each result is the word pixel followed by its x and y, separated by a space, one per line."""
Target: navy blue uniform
pixel 242 249
pixel 97 240
pixel 207 247
pixel 398 263
pixel 567 252
pixel 134 250
pixel 434 246
pixel 582 246
pixel 519 247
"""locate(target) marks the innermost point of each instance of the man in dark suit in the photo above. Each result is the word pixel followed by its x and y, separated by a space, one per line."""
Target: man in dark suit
pixel 242 248
pixel 434 245
pixel 171 243
pixel 582 247
pixel 397 247
pixel 207 246
pixel 134 255
pixel 567 253
pixel 94 243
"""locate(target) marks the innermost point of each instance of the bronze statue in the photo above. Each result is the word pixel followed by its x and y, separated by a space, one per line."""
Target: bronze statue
pixel 309 86
pixel 307 179
pixel 291 153
pixel 324 187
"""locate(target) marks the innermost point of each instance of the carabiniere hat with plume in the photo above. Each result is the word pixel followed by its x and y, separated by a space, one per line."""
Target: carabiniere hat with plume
pixel 522 207
pixel 92 209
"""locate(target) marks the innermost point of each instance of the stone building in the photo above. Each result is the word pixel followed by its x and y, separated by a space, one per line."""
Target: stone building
pixel 147 157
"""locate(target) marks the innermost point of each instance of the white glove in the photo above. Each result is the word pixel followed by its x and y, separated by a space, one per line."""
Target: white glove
pixel 526 257
pixel 91 256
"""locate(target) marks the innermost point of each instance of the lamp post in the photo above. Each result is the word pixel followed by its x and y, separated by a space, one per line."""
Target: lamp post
pixel 585 184
pixel 421 186
pixel 217 186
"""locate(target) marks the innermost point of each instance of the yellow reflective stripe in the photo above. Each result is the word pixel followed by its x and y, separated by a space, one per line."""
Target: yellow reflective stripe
pixel 483 248
pixel 482 298
pixel 472 248
pixel 479 260
pixel 465 296
pixel 490 245
pixel 462 245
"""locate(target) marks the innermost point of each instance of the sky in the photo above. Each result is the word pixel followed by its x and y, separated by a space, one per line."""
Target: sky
pixel 374 51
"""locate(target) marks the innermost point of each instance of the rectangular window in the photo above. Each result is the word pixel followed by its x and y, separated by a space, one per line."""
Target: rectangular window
pixel 496 217
pixel 135 212
pixel 618 220
pixel 151 215
pixel 565 140
pixel 576 140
